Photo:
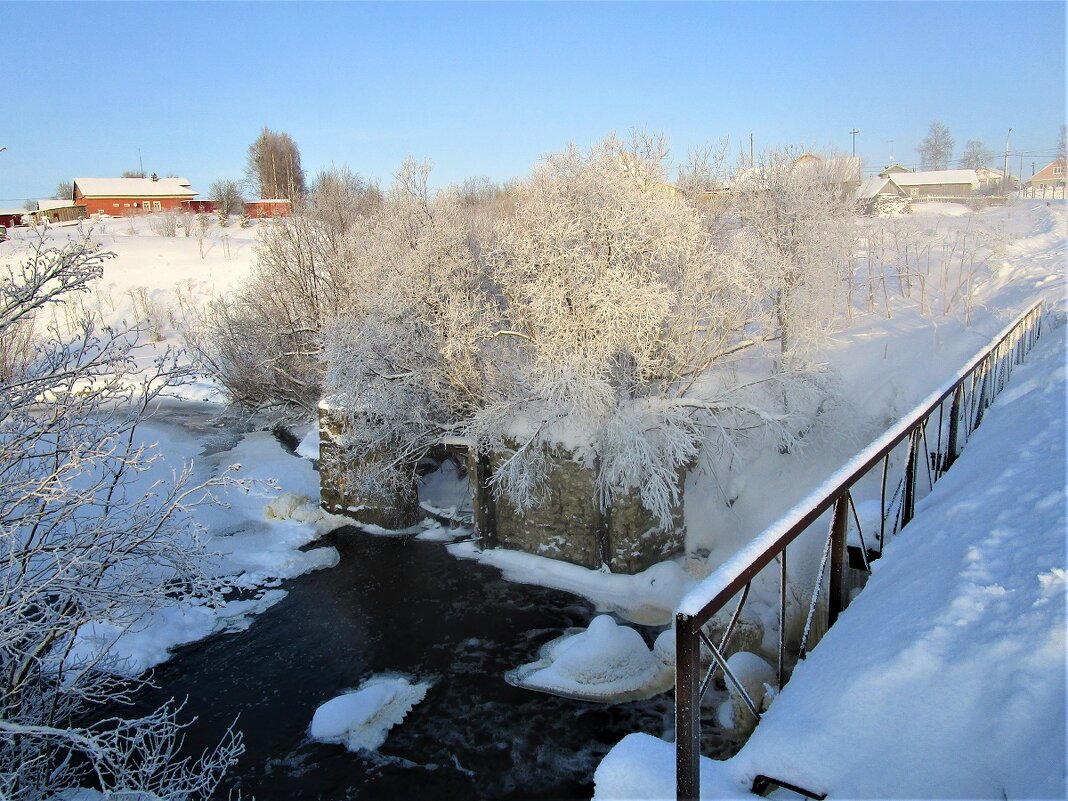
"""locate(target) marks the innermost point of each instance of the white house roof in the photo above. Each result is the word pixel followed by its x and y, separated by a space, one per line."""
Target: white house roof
pixel 935 177
pixel 872 187
pixel 6 212
pixel 49 203
pixel 134 187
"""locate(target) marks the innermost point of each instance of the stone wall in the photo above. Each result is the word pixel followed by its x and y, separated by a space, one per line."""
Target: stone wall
pixel 568 525
pixel 397 512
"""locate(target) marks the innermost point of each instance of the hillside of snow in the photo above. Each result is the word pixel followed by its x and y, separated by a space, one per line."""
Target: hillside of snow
pixel 945 678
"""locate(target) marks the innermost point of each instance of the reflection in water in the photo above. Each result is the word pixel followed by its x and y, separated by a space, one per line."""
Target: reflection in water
pixel 396 605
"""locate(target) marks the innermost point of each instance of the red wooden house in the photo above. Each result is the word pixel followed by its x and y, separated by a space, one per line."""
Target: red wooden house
pixel 120 197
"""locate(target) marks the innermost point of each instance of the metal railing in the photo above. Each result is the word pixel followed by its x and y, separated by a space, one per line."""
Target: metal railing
pixel 968 395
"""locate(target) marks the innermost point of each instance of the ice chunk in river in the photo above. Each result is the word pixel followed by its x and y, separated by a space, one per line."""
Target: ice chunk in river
pixel 606 662
pixel 362 718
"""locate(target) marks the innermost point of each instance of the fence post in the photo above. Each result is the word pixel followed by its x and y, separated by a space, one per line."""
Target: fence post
pixel 687 709
pixel 908 499
pixel 954 424
pixel 839 527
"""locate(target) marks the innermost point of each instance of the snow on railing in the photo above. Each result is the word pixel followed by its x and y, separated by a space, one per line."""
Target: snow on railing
pixel 969 393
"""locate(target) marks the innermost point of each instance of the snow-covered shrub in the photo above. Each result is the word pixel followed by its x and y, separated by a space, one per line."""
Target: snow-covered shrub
pixel 164 223
pixel 405 353
pixel 81 544
pixel 263 342
pixel 623 316
pixel 599 317
pixel 798 229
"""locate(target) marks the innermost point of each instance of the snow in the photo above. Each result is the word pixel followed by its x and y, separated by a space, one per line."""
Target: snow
pixel 935 177
pixel 945 678
pixel 647 598
pixel 605 662
pixel 258 533
pixel 361 719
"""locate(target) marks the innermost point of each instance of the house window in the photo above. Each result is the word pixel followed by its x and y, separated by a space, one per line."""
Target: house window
pixel 1058 170
pixel 127 205
pixel 156 205
pixel 116 205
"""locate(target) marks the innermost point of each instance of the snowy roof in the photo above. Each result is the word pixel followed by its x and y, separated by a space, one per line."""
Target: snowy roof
pixel 134 187
pixel 272 200
pixel 50 203
pixel 935 177
pixel 6 212
pixel 872 187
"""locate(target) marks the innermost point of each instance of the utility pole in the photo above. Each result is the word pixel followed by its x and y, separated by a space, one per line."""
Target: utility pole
pixel 1005 173
pixel 750 150
pixel 140 163
pixel 854 133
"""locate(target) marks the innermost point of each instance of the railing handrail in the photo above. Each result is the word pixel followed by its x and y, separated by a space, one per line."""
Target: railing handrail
pixel 989 370
pixel 708 597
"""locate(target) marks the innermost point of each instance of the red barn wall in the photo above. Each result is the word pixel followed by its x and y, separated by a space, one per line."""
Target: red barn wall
pixel 125 206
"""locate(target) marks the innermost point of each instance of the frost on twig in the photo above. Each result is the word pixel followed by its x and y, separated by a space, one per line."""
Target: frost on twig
pixel 83 540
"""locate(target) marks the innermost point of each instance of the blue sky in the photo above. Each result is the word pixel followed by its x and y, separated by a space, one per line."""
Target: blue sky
pixel 489 88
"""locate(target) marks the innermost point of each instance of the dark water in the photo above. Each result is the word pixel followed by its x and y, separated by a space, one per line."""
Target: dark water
pixel 396 605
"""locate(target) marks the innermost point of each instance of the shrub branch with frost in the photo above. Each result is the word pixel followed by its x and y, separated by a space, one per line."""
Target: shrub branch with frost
pixel 83 540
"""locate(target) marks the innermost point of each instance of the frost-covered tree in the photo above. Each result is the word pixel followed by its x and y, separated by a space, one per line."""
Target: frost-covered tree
pixel 83 544
pixel 263 341
pixel 625 323
pixel 798 227
pixel 273 169
pixel 227 196
pixel 65 190
pixel 976 155
pixel 405 353
pixel 937 148
pixel 597 316
pixel 339 196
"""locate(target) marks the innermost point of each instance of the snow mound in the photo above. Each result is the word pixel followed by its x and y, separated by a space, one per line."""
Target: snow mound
pixel 758 678
pixel 362 718
pixel 309 445
pixel 294 506
pixel 605 662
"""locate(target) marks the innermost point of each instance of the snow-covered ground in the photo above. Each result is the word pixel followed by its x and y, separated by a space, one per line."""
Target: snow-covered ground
pixel 257 532
pixel 945 678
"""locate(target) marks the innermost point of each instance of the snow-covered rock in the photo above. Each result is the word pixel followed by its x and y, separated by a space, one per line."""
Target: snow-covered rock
pixel 363 718
pixel 605 662
pixel 758 678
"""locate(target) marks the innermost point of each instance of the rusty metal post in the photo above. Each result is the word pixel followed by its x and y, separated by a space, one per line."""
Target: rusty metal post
pixel 839 528
pixel 687 709
pixel 954 423
pixel 908 498
pixel 981 402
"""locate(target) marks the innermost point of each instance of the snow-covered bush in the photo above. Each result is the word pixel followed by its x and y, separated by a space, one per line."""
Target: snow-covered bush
pixel 626 323
pixel 798 229
pixel 598 318
pixel 81 544
pixel 263 342
pixel 405 354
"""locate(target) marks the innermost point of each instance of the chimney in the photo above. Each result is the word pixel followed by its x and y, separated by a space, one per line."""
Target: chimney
pixel 155 177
